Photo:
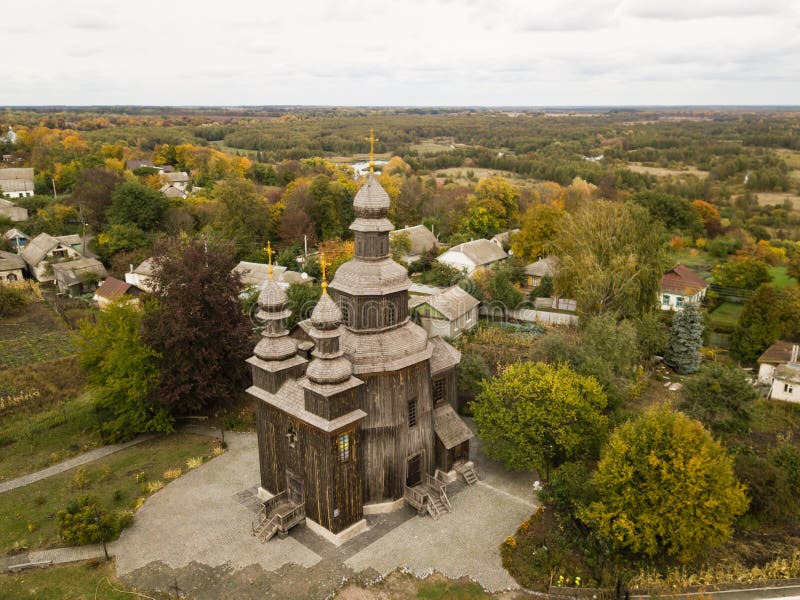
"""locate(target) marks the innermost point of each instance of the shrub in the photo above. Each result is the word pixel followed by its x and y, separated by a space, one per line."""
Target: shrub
pixel 195 462
pixel 12 301
pixel 80 480
pixel 172 473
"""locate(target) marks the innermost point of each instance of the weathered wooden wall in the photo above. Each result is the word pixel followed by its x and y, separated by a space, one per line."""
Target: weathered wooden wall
pixel 372 312
pixel 387 440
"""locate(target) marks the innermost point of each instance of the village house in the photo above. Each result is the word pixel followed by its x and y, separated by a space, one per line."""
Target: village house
pixel 142 276
pixel 11 267
pixel 422 241
pixel 473 256
pixel 364 424
pixel 17 238
pixel 786 379
pixel 778 354
pixel 132 165
pixel 448 313
pixel 679 287
pixel 503 239
pixel 115 290
pixel 16 183
pixel 255 275
pixel 171 191
pixel 178 179
pixel 76 277
pixel 11 211
pixel 536 271
pixel 44 250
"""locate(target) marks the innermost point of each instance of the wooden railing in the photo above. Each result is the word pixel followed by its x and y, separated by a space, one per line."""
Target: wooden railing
pixel 274 501
pixel 292 517
pixel 415 497
pixel 441 486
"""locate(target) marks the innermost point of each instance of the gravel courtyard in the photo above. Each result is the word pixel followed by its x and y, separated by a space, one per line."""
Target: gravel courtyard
pixel 195 534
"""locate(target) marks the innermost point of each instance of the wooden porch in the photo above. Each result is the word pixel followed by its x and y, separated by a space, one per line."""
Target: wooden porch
pixel 430 495
pixel 277 516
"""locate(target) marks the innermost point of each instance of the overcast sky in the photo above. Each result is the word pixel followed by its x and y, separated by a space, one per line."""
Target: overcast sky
pixel 407 52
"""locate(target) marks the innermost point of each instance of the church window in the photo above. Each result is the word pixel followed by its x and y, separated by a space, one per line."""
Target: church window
pixel 391 313
pixel 291 437
pixel 438 391
pixel 344 447
pixel 412 413
pixel 345 313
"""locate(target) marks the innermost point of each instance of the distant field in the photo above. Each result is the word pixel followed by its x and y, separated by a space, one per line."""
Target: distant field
pixel 778 198
pixel 33 336
pixel 790 157
pixel 661 172
pixel 780 278
pixel 459 174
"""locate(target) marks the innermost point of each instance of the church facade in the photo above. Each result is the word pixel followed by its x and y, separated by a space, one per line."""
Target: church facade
pixel 355 410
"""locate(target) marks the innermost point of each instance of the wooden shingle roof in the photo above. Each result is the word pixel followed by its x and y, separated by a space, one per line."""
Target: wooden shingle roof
pixel 452 302
pixel 449 427
pixel 421 238
pixel 10 262
pixel 443 356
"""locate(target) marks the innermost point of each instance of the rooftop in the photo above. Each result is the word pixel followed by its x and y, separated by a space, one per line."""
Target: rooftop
pixel 480 252
pixel 682 280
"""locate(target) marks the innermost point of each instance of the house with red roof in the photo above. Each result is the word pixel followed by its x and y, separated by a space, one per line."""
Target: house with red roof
pixel 680 286
pixel 113 290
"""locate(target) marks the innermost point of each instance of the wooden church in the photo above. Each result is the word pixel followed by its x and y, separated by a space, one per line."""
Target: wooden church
pixel 355 413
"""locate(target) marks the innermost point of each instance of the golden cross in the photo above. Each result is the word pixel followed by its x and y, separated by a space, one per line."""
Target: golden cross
pixel 268 250
pixel 323 266
pixel 372 139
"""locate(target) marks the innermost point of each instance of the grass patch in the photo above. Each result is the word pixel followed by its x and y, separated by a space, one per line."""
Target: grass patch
pixel 32 441
pixel 83 581
pixel 450 590
pixel 780 278
pixel 726 315
pixel 28 515
pixel 35 335
pixel 34 387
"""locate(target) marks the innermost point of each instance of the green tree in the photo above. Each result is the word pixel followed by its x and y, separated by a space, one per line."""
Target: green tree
pixel 652 336
pixel 123 373
pixel 721 397
pixel 197 326
pixel 537 416
pixel 84 521
pixel 611 259
pixel 743 272
pixel 665 488
pixel 136 204
pixel 759 324
pixel 120 238
pixel 92 193
pixel 243 217
pixel 399 245
pixel 674 212
pixel 539 227
pixel 685 340
pixel 303 297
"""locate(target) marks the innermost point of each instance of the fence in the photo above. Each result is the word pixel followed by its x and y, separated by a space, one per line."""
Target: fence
pixel 731 294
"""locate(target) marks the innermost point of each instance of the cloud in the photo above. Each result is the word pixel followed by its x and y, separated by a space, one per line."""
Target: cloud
pixel 92 23
pixel 682 10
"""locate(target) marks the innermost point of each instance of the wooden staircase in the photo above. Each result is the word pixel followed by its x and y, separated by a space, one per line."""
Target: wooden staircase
pixel 429 496
pixel 468 472
pixel 266 528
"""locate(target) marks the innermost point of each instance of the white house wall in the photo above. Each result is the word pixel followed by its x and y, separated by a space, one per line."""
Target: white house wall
pixel 765 373
pixel 786 391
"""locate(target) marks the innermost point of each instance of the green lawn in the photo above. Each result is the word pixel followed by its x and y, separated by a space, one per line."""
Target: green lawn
pixel 726 315
pixel 28 515
pixel 34 335
pixel 84 581
pixel 780 278
pixel 30 441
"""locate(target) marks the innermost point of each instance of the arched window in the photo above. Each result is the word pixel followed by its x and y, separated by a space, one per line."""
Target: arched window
pixel 391 313
pixel 345 308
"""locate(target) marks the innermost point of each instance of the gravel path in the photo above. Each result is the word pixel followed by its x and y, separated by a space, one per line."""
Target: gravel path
pixel 71 463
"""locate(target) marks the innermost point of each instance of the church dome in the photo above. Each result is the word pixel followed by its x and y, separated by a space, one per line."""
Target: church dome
pixel 326 314
pixel 329 370
pixel 372 200
pixel 272 296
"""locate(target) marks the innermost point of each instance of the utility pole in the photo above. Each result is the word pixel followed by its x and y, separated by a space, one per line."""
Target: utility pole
pixel 55 194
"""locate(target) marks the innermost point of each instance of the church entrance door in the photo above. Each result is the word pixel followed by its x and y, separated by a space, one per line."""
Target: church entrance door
pixel 295 488
pixel 413 473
